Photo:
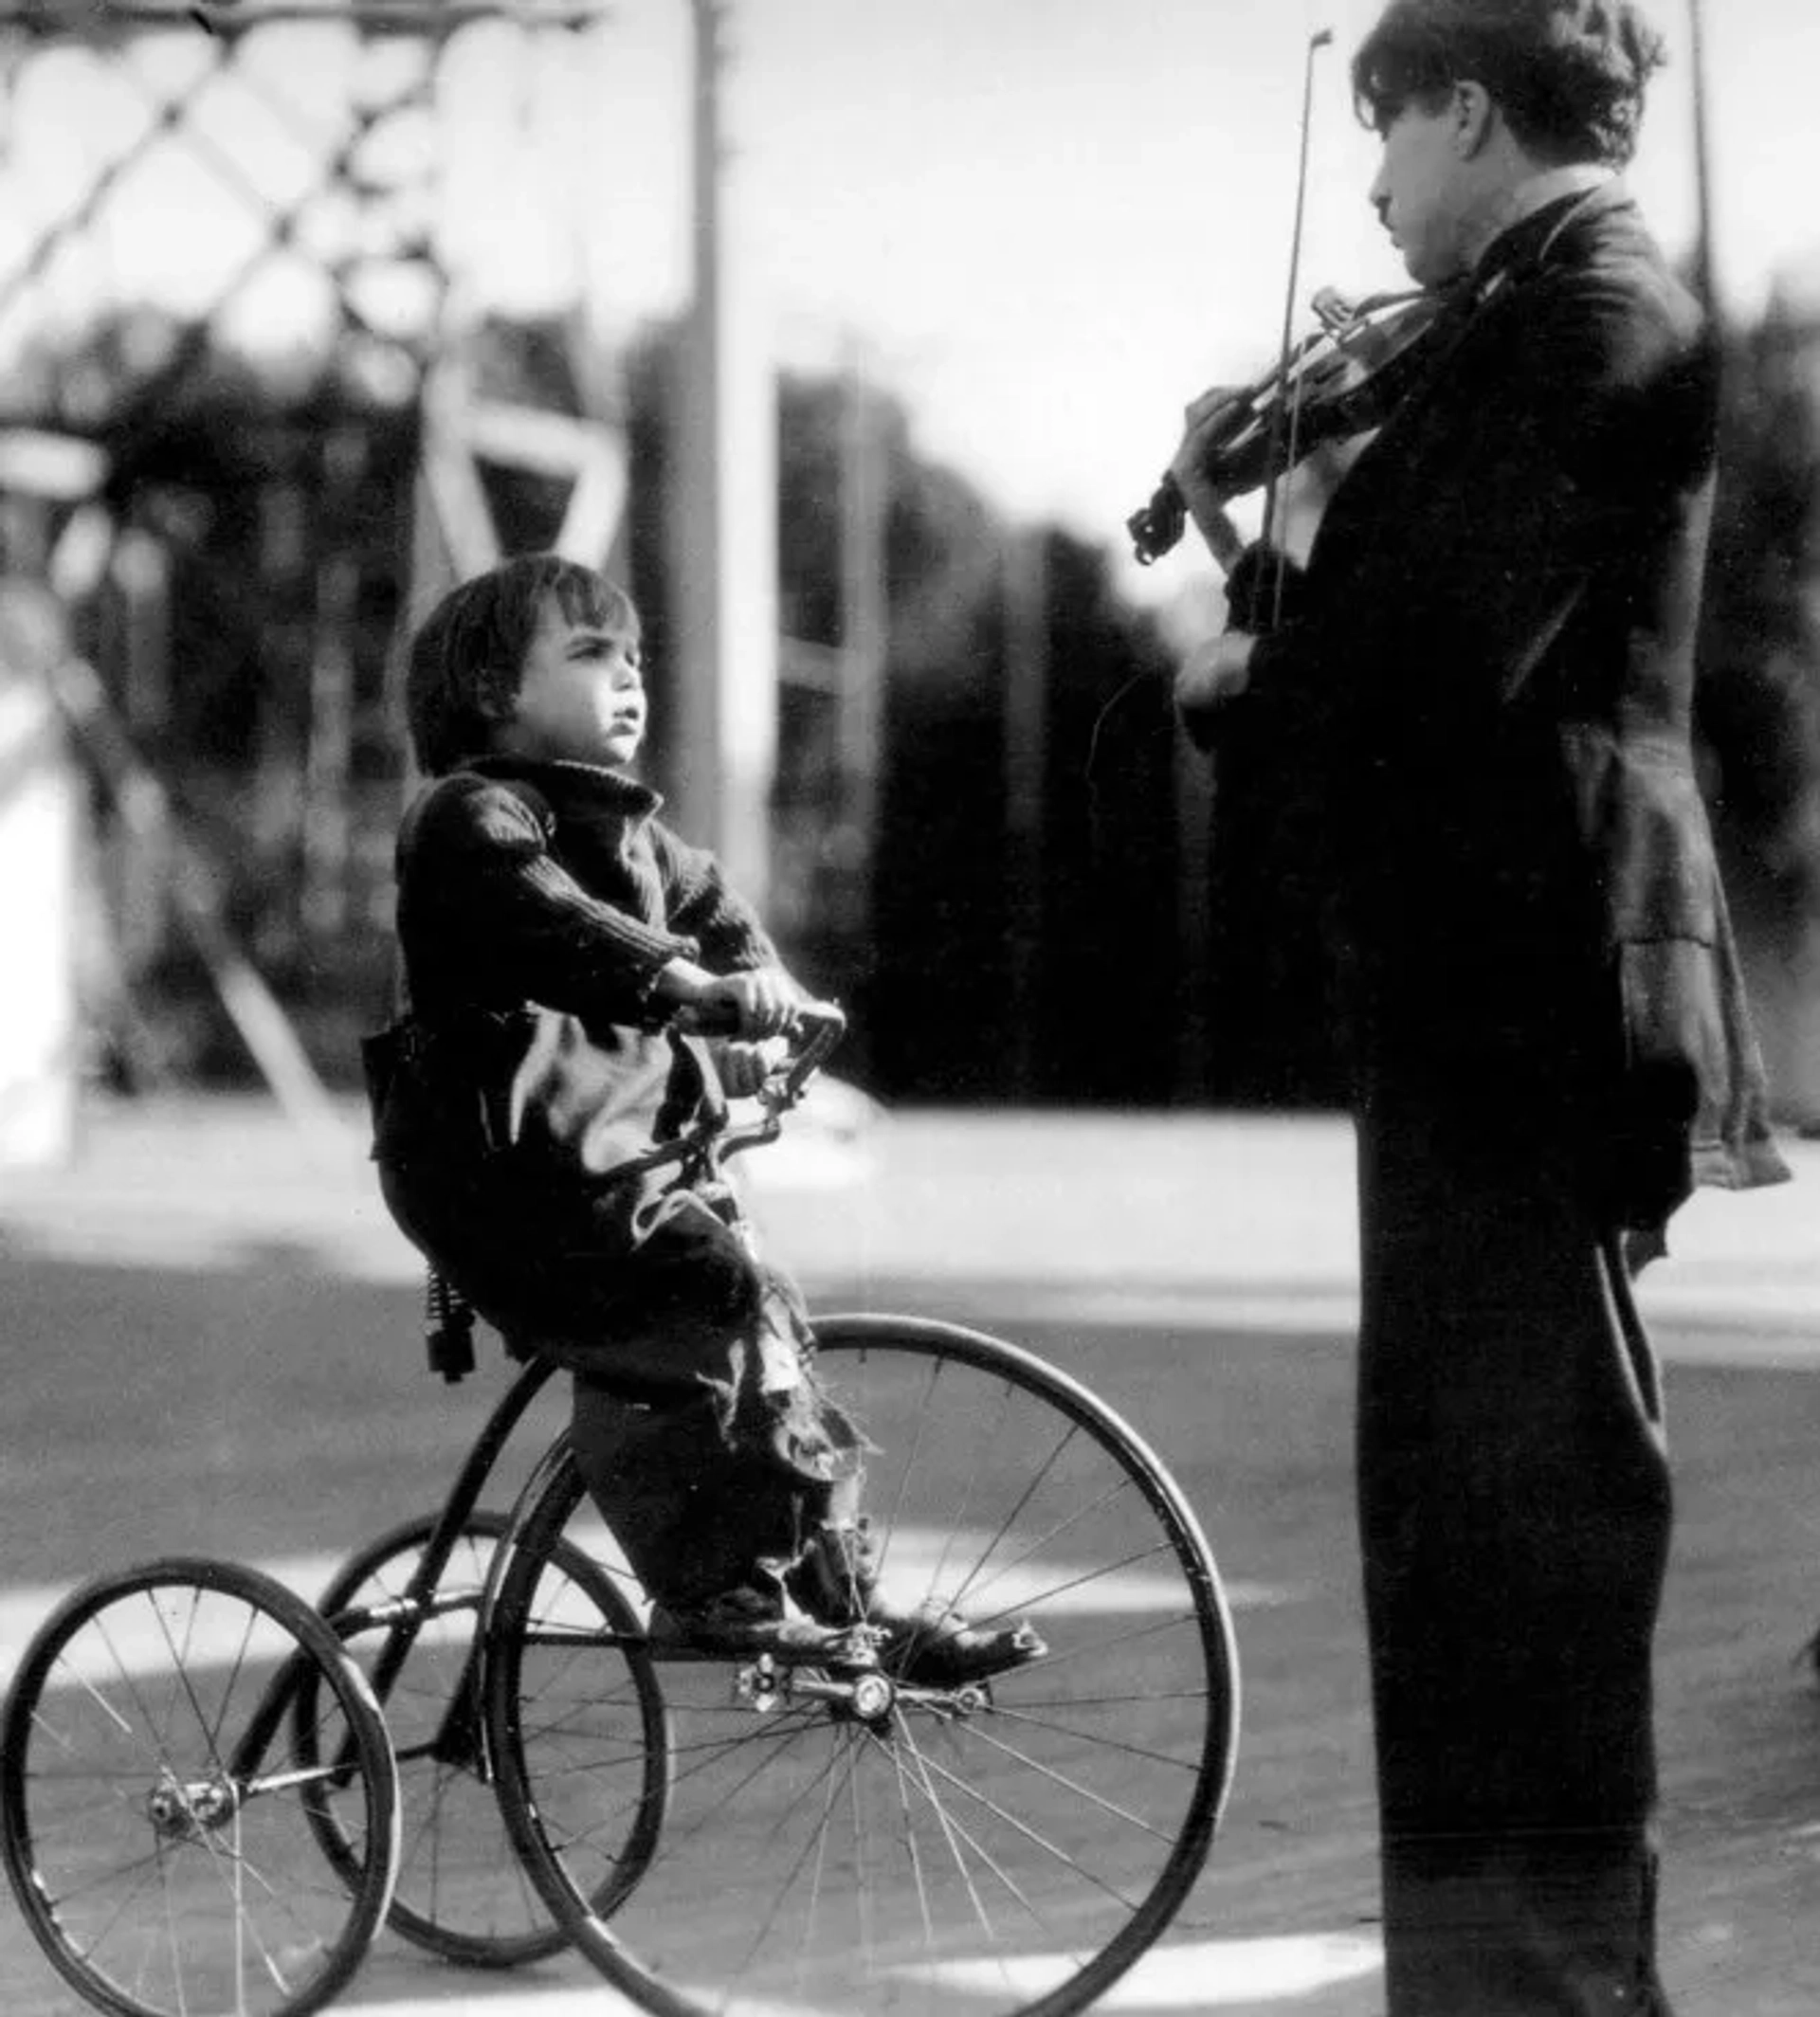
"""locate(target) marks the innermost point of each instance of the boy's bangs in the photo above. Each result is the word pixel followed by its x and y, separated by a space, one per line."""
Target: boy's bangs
pixel 591 601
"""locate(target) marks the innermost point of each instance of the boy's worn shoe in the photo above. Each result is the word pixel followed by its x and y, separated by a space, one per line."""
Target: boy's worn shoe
pixel 929 1645
pixel 934 1646
pixel 745 1623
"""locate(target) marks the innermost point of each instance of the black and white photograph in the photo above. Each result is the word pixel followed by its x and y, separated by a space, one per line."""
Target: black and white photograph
pixel 910 1058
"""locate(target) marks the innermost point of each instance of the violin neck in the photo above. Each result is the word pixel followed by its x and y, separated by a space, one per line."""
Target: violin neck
pixel 1223 540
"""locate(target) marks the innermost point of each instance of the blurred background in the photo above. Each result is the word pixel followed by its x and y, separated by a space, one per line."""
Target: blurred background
pixel 847 338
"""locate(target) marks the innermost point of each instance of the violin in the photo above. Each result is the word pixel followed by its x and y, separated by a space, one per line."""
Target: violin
pixel 1343 379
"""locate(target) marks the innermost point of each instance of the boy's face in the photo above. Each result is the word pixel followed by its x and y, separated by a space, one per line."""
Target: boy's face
pixel 582 696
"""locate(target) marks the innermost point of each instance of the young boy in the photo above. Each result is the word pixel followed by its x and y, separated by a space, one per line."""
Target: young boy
pixel 552 932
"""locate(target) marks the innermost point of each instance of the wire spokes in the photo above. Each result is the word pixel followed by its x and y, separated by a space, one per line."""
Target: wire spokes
pixel 870 1839
pixel 159 1829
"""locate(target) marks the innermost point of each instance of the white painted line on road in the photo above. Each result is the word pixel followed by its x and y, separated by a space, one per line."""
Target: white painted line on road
pixel 1766 1318
pixel 1326 1312
pixel 1776 1329
pixel 600 2000
pixel 141 1650
pixel 1203 1975
pixel 1211 1974
pixel 597 2002
pixel 914 1562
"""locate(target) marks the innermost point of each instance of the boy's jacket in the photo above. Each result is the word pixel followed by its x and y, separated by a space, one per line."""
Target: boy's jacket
pixel 536 905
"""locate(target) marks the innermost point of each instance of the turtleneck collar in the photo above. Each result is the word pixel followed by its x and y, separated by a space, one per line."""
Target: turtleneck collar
pixel 576 784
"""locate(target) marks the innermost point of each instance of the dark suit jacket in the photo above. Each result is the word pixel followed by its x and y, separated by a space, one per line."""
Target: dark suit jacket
pixel 1491 672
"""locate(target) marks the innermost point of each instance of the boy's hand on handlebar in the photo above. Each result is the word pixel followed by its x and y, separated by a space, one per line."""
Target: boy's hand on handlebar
pixel 745 1068
pixel 761 1002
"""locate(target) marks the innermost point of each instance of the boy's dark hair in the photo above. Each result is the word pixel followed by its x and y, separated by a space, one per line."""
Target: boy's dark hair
pixel 468 658
pixel 1568 76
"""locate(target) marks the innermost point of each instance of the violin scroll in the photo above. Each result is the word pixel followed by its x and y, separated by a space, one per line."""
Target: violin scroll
pixel 1156 527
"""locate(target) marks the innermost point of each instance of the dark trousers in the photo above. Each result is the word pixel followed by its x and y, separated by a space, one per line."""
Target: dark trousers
pixel 1513 1512
pixel 708 1474
pixel 708 1480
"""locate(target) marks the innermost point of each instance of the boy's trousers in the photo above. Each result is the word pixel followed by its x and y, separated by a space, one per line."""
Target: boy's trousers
pixel 700 1424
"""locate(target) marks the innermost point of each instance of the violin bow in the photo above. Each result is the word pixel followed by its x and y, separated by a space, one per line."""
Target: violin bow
pixel 1211 520
pixel 1285 420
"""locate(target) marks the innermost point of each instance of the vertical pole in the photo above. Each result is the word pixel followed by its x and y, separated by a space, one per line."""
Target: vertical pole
pixel 721 744
pixel 1026 671
pixel 1703 280
pixel 41 886
pixel 862 661
pixel 328 759
pixel 142 648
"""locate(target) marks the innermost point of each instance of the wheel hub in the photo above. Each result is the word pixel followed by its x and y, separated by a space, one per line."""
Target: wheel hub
pixel 183 1812
pixel 872 1698
pixel 862 1694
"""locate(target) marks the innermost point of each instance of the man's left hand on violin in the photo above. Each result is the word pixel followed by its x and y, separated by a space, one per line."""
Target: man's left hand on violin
pixel 1205 422
pixel 1333 385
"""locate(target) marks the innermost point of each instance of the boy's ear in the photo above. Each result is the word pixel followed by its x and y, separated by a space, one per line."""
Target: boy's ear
pixel 494 703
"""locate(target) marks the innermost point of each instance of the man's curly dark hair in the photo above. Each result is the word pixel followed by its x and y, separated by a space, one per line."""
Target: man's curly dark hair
pixel 1568 76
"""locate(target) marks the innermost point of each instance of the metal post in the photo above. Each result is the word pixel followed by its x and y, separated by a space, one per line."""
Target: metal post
pixel 860 664
pixel 1026 718
pixel 1704 283
pixel 721 739
pixel 40 881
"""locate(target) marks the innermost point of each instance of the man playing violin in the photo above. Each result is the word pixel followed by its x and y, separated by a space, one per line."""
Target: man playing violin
pixel 1488 668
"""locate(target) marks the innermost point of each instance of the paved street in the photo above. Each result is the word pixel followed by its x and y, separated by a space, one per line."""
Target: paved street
pixel 212 1342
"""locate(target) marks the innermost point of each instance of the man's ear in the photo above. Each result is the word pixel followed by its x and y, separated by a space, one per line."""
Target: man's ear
pixel 1474 117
